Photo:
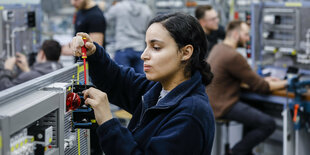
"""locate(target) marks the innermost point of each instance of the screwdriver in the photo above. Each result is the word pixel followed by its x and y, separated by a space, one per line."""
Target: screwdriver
pixel 84 56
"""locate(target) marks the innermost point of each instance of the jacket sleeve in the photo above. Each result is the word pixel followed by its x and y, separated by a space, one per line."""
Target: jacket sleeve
pixel 7 81
pixel 123 86
pixel 240 69
pixel 180 135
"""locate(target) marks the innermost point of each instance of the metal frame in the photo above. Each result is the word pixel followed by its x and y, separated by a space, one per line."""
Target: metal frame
pixel 256 26
pixel 24 111
pixel 24 104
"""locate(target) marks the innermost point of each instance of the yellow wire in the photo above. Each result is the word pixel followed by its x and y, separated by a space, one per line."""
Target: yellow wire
pixel 79 143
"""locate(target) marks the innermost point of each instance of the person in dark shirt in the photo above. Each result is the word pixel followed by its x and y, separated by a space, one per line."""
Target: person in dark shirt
pixel 209 20
pixel 89 19
pixel 46 62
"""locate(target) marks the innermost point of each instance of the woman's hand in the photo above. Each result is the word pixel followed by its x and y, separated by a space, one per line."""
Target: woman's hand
pixel 77 43
pixel 100 103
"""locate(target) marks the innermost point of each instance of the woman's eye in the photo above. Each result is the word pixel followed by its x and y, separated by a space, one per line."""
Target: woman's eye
pixel 156 48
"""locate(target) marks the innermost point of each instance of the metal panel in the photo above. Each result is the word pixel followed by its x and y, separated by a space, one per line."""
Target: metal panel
pixel 17 35
pixel 61 75
pixel 286 33
pixel 24 111
pixel 26 103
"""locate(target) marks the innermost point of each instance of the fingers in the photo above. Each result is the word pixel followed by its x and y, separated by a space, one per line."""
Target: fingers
pixel 90 93
pixel 95 95
pixel 91 48
pixel 9 63
pixel 77 43
pixel 84 35
pixel 90 102
pixel 19 55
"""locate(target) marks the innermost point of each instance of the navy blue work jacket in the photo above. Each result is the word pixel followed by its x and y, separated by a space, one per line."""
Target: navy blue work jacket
pixel 180 123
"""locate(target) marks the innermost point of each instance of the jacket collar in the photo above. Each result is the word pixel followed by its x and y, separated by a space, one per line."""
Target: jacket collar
pixel 174 96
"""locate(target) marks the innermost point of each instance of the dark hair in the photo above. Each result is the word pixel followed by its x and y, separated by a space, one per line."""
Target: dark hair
pixel 200 11
pixel 233 25
pixel 186 30
pixel 51 49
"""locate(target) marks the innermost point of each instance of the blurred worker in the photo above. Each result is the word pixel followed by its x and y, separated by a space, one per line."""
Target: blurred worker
pixel 89 19
pixel 209 20
pixel 171 111
pixel 46 62
pixel 230 70
pixel 131 19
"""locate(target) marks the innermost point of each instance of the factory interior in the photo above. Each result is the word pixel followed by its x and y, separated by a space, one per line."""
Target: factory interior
pixel 95 77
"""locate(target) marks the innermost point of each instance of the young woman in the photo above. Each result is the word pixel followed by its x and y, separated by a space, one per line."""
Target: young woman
pixel 171 112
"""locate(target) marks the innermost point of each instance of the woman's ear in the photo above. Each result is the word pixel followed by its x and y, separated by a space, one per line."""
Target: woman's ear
pixel 187 52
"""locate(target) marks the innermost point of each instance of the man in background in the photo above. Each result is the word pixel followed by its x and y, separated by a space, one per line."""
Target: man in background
pixel 209 21
pixel 89 19
pixel 230 70
pixel 46 62
pixel 131 19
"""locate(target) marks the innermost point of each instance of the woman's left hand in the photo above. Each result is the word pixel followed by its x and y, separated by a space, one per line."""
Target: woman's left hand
pixel 100 103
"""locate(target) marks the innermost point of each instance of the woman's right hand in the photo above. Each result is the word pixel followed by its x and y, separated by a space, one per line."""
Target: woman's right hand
pixel 100 103
pixel 77 43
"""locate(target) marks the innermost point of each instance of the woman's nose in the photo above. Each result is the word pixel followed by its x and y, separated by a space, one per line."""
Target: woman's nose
pixel 145 55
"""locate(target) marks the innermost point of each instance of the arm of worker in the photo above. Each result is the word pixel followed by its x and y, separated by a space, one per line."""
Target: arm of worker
pixel 123 85
pixel 97 37
pixel 275 83
pixel 6 75
pixel 240 69
pixel 97 28
pixel 182 134
pixel 6 78
pixel 66 50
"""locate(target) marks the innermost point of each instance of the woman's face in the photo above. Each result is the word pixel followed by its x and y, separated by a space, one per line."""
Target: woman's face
pixel 162 60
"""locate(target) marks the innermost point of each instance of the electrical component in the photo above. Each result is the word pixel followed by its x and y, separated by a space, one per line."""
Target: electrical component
pixel 21 143
pixel 83 116
pixel 31 19
pixel 73 101
pixel 20 29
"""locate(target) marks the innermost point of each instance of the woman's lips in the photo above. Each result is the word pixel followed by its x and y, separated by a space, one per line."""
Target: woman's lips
pixel 147 67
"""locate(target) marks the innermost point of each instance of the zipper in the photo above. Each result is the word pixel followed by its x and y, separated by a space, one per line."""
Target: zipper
pixel 144 112
pixel 141 115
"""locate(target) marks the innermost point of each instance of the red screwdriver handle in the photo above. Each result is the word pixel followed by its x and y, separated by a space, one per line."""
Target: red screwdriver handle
pixel 84 56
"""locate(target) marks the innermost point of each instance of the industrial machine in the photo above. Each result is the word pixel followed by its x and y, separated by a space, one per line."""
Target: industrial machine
pixel 280 35
pixel 20 30
pixel 297 118
pixel 35 118
pixel 280 42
